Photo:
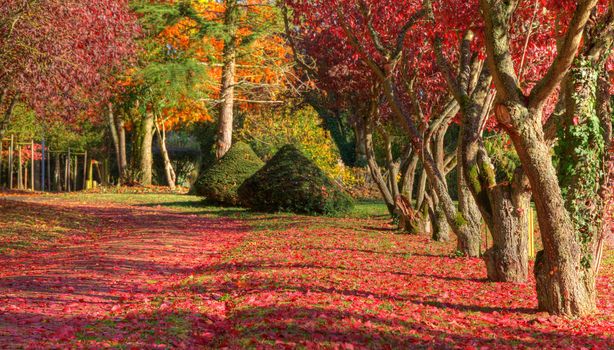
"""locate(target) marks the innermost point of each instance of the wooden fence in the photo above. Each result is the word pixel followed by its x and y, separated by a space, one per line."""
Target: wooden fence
pixel 27 165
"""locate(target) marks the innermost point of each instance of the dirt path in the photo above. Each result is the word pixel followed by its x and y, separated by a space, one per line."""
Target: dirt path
pixel 128 263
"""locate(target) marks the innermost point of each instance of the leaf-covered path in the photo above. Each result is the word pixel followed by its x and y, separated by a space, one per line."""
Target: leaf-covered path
pixel 121 259
pixel 148 274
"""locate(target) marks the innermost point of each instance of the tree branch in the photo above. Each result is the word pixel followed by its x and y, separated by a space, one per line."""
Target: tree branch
pixel 565 56
pixel 500 61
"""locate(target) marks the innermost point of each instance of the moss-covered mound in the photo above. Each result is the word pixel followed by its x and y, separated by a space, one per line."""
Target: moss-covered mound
pixel 291 182
pixel 219 182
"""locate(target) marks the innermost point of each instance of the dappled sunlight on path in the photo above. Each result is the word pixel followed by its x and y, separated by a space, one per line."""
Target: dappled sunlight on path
pixel 130 259
pixel 147 276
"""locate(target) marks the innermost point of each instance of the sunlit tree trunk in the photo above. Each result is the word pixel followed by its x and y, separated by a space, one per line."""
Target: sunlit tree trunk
pixel 146 161
pixel 227 92
pixel 123 160
pixel 168 165
pixel 564 270
pixel 116 140
pixel 502 205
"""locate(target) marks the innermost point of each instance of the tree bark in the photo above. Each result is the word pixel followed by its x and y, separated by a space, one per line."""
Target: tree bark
pixel 359 149
pixel 121 130
pixel 146 161
pixel 57 183
pixel 470 211
pixel 502 206
pixel 115 139
pixel 229 56
pixel 8 113
pixel 168 165
pixel 376 174
pixel 560 269
pixel 441 229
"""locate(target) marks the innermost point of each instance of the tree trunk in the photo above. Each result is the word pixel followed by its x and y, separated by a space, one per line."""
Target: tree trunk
pixel 408 177
pixel 225 122
pixel 390 165
pixel 376 174
pixel 8 113
pixel 359 149
pixel 168 166
pixel 121 130
pixel 146 160
pixel 57 182
pixel 503 206
pixel 115 139
pixel 468 244
pixel 582 175
pixel 507 260
pixel 441 229
pixel 557 267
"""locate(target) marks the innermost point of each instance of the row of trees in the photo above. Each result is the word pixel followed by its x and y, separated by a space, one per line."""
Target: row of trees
pixel 532 72
pixel 511 98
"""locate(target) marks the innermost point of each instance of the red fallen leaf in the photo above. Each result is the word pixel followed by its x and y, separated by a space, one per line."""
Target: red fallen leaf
pixel 64 333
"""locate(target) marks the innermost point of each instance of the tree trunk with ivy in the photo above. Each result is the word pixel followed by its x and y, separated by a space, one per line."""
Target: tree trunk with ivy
pixel 584 138
pixel 567 199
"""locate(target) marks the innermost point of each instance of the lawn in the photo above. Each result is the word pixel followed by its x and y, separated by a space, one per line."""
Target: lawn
pixel 167 271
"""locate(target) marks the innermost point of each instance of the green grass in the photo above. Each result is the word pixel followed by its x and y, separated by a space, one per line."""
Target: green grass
pixel 20 230
pixel 195 204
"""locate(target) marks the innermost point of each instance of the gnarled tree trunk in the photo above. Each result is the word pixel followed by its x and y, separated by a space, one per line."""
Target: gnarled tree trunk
pixel 502 206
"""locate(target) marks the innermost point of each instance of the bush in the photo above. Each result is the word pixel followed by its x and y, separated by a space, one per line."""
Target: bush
pixel 291 182
pixel 219 182
pixel 269 131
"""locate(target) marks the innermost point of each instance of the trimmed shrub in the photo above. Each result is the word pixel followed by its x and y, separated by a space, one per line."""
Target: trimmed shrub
pixel 219 182
pixel 291 182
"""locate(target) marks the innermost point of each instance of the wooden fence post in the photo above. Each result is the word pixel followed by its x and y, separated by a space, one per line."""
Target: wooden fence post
pixel 74 178
pixel 85 171
pixel 1 149
pixel 49 172
pixel 11 149
pixel 90 181
pixel 32 164
pixel 43 165
pixel 531 233
pixel 20 170
pixel 67 172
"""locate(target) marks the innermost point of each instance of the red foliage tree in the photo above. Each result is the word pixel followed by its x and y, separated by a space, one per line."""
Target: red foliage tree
pixel 56 55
